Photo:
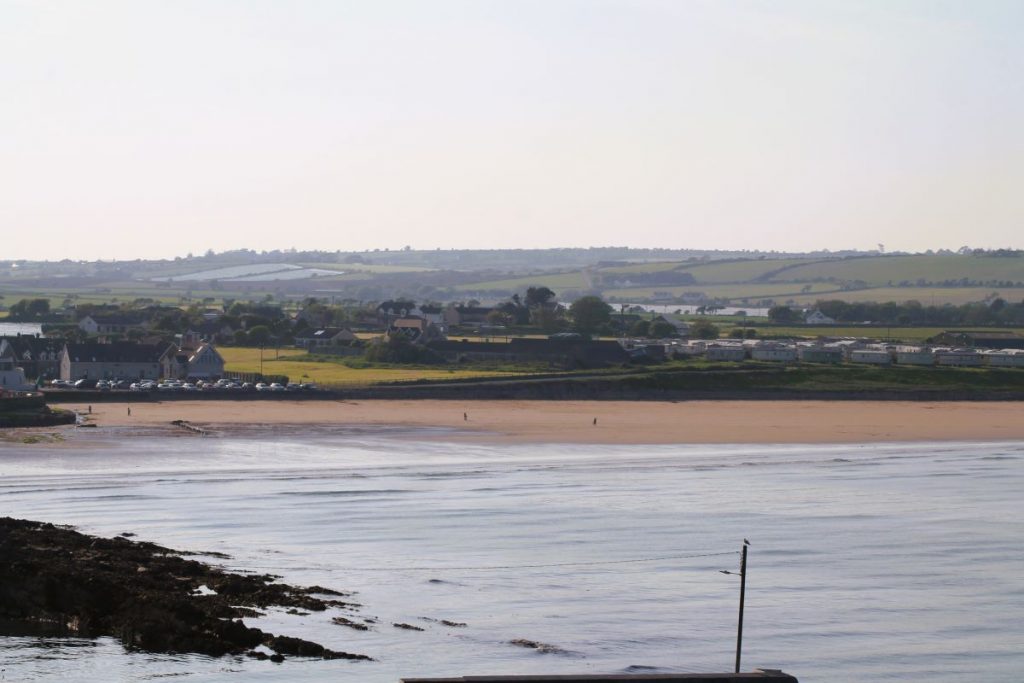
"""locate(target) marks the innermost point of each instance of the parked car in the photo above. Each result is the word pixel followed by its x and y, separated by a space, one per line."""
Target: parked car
pixel 86 384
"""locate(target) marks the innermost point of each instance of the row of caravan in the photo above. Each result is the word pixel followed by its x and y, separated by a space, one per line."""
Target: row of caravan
pixel 839 352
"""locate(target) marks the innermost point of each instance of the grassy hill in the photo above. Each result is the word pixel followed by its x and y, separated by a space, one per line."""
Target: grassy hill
pixel 929 278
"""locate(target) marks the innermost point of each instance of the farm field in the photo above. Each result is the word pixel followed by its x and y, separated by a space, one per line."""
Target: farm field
pixel 739 271
pixel 299 367
pixel 366 268
pixel 883 270
pixel 929 296
pixel 734 292
pixel 570 280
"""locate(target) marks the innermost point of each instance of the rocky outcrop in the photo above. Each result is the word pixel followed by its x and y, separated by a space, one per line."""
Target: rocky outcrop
pixel 150 597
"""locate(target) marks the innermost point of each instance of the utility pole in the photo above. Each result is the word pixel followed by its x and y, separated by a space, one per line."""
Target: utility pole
pixel 743 591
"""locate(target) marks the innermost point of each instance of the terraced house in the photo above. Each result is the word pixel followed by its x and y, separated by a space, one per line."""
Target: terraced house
pixel 118 360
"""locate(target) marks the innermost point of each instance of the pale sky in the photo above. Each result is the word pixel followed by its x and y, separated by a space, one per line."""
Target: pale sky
pixel 151 129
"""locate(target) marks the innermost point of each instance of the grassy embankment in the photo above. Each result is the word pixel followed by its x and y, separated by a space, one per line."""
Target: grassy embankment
pixel 698 376
pixel 839 381
pixel 328 371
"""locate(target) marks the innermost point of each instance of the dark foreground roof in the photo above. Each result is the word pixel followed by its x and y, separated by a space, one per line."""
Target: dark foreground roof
pixel 118 352
pixel 772 675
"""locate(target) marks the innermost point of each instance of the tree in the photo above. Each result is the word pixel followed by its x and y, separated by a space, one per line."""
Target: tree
pixel 397 349
pixel 589 313
pixel 29 309
pixel 538 296
pixel 661 329
pixel 703 329
pixel 641 328
pixel 783 314
pixel 259 335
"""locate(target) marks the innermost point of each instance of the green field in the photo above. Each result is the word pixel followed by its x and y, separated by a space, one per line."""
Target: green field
pixel 928 296
pixel 556 281
pixel 299 367
pixel 365 267
pixel 881 270
pixel 715 272
pixel 733 292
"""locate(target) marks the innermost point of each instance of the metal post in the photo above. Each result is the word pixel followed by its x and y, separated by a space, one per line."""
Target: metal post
pixel 743 590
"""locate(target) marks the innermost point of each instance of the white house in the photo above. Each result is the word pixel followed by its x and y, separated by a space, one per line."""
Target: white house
pixel 111 324
pixel 183 363
pixel 816 317
pixel 120 360
pixel 12 377
pixel 205 363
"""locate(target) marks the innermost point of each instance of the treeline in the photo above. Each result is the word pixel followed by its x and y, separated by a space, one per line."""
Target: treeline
pixel 998 312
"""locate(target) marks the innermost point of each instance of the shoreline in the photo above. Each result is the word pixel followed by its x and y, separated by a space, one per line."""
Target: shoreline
pixel 617 422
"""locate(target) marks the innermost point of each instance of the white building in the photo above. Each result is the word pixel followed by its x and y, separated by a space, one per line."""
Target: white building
pixel 816 317
pixel 12 378
pixel 774 352
pixel 1007 358
pixel 722 352
pixel 121 360
pixel 958 357
pixel 914 355
pixel 205 363
pixel 870 356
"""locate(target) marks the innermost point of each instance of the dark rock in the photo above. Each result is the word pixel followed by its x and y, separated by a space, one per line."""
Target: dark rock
pixel 141 593
pixel 408 627
pixel 342 621
pixel 543 648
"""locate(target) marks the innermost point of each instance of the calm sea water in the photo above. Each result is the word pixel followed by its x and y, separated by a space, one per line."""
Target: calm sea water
pixel 880 562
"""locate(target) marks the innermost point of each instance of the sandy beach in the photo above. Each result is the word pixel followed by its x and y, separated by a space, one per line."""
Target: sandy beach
pixel 617 422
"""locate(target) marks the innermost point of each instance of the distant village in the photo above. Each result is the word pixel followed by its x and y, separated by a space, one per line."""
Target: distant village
pixel 149 346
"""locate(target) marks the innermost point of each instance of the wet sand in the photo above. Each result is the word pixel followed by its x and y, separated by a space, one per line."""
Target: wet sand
pixel 617 422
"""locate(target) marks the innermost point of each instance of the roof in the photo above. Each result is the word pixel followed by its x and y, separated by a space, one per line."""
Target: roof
pixel 118 319
pixel 118 352
pixel 322 333
pixel 33 345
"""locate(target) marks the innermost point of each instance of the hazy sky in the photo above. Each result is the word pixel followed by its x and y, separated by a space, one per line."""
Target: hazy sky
pixel 151 129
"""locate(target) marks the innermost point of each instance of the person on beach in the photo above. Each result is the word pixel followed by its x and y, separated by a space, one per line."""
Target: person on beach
pixel 129 411
pixel 595 420
pixel 465 417
pixel 90 410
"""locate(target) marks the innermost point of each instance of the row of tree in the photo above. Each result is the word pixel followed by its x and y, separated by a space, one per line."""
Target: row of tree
pixel 997 312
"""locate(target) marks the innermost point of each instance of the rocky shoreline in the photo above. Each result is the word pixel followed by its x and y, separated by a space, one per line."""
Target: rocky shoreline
pixel 149 597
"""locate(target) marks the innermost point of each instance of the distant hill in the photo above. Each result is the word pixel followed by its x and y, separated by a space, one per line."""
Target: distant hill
pixel 619 274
